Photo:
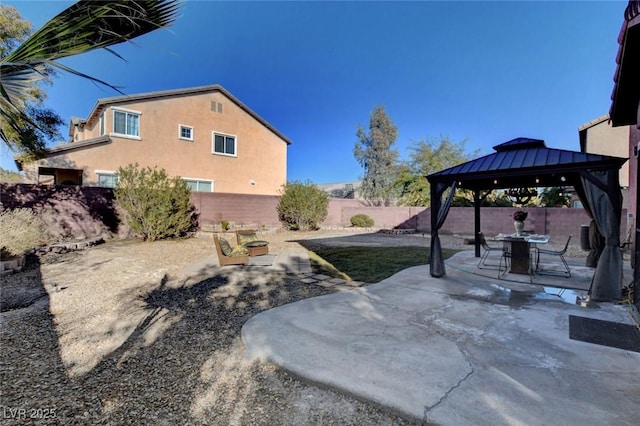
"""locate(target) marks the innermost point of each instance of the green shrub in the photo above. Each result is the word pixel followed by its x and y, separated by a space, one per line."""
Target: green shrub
pixel 21 229
pixel 361 221
pixel 302 206
pixel 224 224
pixel 156 206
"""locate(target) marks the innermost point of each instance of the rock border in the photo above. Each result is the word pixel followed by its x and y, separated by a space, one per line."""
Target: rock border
pixel 65 247
pixel 14 264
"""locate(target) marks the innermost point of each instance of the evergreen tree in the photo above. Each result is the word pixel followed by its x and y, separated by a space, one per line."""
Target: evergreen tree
pixel 374 152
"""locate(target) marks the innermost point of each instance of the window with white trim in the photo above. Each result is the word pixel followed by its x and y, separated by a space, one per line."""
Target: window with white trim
pixel 199 185
pixel 185 132
pixel 224 144
pixel 107 179
pixel 102 124
pixel 126 123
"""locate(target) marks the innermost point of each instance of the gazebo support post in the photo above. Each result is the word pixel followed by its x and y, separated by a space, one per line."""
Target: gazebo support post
pixel 439 212
pixel 436 266
pixel 636 240
pixel 476 220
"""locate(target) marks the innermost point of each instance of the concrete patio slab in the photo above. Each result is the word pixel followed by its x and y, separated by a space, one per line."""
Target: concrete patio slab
pixel 466 349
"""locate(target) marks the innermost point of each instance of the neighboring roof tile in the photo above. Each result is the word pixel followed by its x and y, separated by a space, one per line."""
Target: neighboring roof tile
pixel 626 87
pixel 632 10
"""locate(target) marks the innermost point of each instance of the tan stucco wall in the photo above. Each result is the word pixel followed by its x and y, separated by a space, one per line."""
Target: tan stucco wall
pixel 261 154
pixel 606 140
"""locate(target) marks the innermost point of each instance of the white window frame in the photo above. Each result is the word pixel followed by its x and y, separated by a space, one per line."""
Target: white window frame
pixel 184 126
pixel 213 144
pixel 197 180
pixel 102 124
pixel 128 112
pixel 105 173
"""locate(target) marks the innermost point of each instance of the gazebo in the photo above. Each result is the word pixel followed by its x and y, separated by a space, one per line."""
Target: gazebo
pixel 527 163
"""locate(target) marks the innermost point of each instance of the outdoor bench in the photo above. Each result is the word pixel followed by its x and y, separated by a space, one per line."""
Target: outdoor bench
pixel 248 239
pixel 228 255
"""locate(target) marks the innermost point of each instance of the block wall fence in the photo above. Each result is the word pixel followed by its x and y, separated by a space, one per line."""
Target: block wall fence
pixel 84 212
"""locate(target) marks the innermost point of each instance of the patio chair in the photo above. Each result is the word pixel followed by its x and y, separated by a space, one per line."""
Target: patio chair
pixel 505 259
pixel 482 264
pixel 626 243
pixel 560 253
pixel 228 255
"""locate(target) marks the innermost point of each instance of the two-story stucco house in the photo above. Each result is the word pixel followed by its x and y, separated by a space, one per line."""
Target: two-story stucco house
pixel 204 135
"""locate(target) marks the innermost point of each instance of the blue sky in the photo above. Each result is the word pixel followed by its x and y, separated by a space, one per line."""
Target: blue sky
pixel 485 71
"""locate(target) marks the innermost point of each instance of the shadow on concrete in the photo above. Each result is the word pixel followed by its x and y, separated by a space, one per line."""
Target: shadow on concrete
pixel 463 349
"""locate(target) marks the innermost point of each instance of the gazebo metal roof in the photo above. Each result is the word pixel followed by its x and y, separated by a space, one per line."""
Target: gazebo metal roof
pixel 524 162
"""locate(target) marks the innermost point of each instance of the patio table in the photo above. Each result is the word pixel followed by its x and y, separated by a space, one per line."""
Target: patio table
pixel 520 248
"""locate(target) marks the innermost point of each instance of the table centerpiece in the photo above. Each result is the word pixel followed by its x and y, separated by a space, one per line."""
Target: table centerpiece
pixel 518 221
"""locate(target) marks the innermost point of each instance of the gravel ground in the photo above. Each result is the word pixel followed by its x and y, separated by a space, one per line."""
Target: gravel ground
pixel 118 335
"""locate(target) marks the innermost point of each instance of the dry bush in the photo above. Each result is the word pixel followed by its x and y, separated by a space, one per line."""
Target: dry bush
pixel 361 220
pixel 21 230
pixel 156 205
pixel 302 206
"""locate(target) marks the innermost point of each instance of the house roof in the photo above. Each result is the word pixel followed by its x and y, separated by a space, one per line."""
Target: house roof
pixel 594 122
pixel 77 145
pixel 69 146
pixel 582 130
pixel 524 162
pixel 75 121
pixel 104 102
pixel 626 89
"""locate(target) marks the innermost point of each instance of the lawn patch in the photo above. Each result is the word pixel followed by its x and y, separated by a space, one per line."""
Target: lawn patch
pixel 368 264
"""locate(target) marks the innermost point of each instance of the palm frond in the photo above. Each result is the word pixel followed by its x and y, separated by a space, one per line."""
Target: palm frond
pixel 16 85
pixel 16 82
pixel 69 70
pixel 89 25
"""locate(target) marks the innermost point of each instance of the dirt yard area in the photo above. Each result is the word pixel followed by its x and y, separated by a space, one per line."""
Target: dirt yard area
pixel 119 334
